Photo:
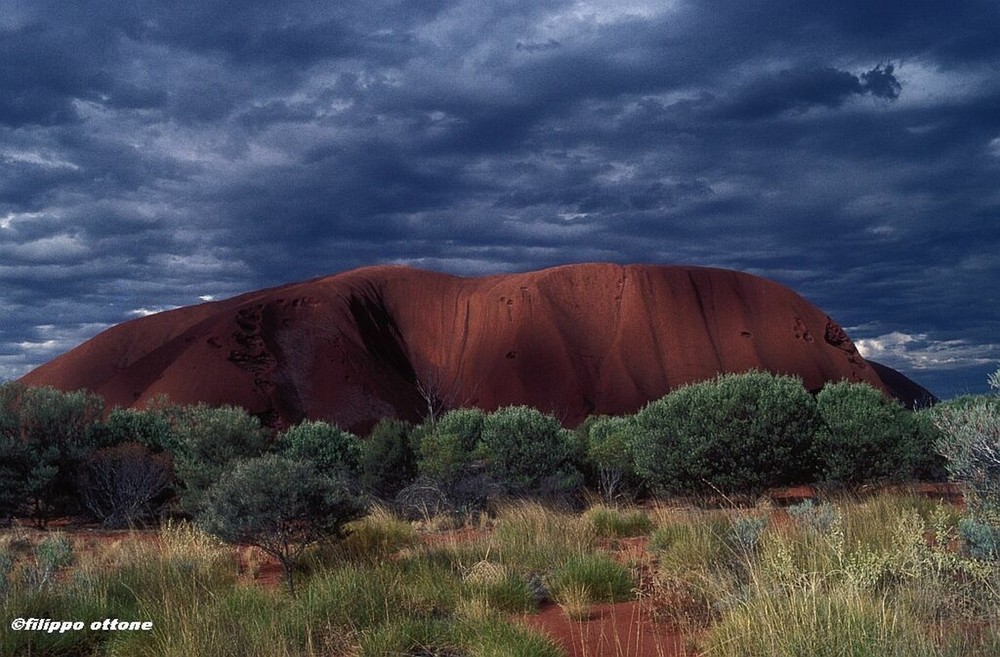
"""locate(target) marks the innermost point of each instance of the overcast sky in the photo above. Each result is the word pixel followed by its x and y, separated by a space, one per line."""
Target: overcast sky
pixel 154 156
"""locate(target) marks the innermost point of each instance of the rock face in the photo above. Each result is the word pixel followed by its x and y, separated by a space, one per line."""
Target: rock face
pixel 395 341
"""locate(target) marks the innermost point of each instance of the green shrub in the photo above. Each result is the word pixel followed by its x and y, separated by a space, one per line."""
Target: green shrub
pixel 279 505
pixel 970 443
pixel 982 539
pixel 820 518
pixel 865 436
pixel 388 460
pixel 464 423
pixel 17 475
pixel 528 452
pixel 609 457
pixel 55 431
pixel 444 458
pixel 736 433
pixel 332 450
pixel 146 427
pixel 209 440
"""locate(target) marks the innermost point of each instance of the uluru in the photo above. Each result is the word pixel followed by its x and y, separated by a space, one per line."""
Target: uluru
pixel 394 341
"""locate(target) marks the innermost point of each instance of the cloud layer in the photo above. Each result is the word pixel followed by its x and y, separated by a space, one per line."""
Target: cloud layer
pixel 153 154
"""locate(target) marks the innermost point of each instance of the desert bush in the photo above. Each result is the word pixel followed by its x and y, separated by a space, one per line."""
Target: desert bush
pixel 528 452
pixel 279 505
pixel 820 518
pixel 970 443
pixel 146 427
pixel 388 460
pixel 982 539
pixel 332 450
pixel 446 452
pixel 736 433
pixel 443 458
pixel 609 458
pixel 18 465
pixel 55 429
pixel 865 436
pixel 208 440
pixel 123 484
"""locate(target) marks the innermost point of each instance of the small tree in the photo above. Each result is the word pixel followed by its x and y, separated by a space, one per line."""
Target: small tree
pixel 970 442
pixel 609 455
pixel 57 428
pixel 121 483
pixel 16 464
pixel 280 505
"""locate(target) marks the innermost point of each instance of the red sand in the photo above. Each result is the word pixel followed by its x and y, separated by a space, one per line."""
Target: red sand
pixel 364 344
pixel 613 630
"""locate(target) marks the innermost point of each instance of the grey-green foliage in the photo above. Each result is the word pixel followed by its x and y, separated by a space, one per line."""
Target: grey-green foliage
pixel 147 427
pixel 6 568
pixel 388 459
pixel 610 458
pixel 17 466
pixel 528 452
pixel 52 554
pixel 970 443
pixel 208 440
pixel 820 518
pixel 865 436
pixel 736 433
pixel 982 539
pixel 45 433
pixel 278 504
pixel 447 451
pixel 331 449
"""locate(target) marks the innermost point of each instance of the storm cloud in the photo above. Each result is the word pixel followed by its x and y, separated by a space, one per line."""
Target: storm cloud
pixel 154 155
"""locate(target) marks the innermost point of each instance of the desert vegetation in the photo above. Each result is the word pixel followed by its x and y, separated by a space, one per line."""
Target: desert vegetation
pixel 447 538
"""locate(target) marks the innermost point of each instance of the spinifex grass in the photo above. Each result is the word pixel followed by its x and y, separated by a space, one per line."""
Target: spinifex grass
pixel 604 579
pixel 871 577
pixel 534 537
pixel 819 624
pixel 610 522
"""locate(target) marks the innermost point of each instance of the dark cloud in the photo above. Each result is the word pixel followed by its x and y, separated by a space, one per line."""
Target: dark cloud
pixel 154 154
pixel 803 88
